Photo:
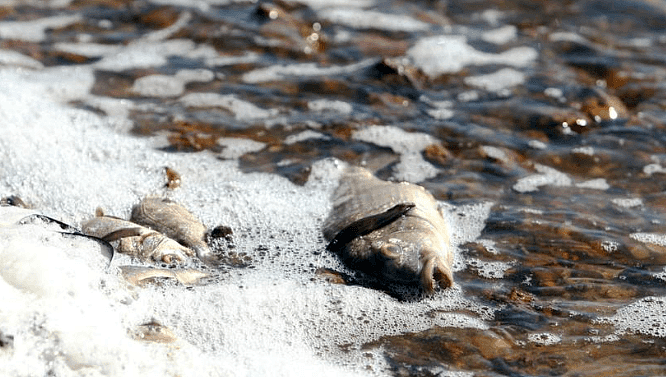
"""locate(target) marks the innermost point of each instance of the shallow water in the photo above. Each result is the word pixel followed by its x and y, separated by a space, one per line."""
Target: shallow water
pixel 540 123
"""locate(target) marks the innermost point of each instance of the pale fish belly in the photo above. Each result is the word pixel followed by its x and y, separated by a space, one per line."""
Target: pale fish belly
pixel 392 231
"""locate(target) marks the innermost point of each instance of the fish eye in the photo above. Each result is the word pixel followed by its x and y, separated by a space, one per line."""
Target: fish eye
pixel 391 250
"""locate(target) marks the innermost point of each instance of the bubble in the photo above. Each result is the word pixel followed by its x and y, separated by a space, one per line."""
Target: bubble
pixel 645 316
pixel 544 338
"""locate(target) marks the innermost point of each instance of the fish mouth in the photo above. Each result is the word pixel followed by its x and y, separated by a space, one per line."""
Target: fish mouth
pixel 435 273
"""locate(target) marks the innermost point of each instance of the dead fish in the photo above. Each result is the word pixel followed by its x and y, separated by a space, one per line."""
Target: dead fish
pixel 175 221
pixel 17 215
pixel 13 200
pixel 153 331
pixel 393 231
pixel 136 240
pixel 142 275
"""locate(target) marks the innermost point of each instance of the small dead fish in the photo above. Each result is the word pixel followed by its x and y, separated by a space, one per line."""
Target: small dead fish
pixel 142 275
pixel 175 221
pixel 136 240
pixel 153 331
pixel 393 231
pixel 16 215
pixel 13 200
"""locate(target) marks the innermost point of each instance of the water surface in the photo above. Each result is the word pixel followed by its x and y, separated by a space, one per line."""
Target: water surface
pixel 541 123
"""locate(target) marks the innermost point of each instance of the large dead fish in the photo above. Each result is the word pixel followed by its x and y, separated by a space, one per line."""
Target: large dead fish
pixel 393 231
pixel 175 221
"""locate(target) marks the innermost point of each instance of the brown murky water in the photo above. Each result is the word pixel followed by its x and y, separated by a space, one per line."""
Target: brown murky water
pixel 573 154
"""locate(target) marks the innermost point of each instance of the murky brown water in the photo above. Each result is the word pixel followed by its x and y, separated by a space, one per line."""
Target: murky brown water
pixel 573 155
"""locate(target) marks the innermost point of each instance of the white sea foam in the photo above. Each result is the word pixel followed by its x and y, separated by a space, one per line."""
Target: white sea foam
pixel 645 316
pixel 13 58
pixel 366 19
pixel 653 168
pixel 653 238
pixel 412 166
pixel 544 338
pixel 164 86
pixel 451 53
pixel 552 177
pixel 35 30
pixel 494 82
pixel 322 105
pixel 320 4
pixel 303 136
pixel 501 35
pixel 282 72
pixel 547 176
pixel 596 184
pixel 627 202
pixel 489 270
pixel 242 110
pixel 236 147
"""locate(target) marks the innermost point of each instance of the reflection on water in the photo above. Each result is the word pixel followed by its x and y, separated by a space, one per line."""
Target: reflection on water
pixel 554 111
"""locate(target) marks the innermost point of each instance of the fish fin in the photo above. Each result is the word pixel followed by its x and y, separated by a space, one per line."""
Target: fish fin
pixel 367 225
pixel 46 219
pixel 123 233
pixel 107 249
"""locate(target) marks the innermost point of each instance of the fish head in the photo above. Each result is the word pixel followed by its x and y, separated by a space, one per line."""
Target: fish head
pixel 408 260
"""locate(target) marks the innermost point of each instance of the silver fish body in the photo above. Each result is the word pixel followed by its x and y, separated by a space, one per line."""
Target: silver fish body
pixel 393 231
pixel 136 240
pixel 175 221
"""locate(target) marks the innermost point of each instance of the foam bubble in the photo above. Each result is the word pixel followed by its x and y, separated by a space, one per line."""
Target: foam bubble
pixel 170 86
pixel 14 58
pixel 548 176
pixel 645 316
pixel 282 72
pixel 595 184
pixel 451 53
pixel 494 82
pixel 653 168
pixel 242 110
pixel 489 270
pixel 365 19
pixel 303 136
pixel 322 105
pixel 412 166
pixel 552 177
pixel 320 4
pixel 441 114
pixel 544 338
pixel 145 54
pixel 501 35
pixel 653 238
pixel 627 202
pixel 236 147
pixel 35 30
pixel 395 138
